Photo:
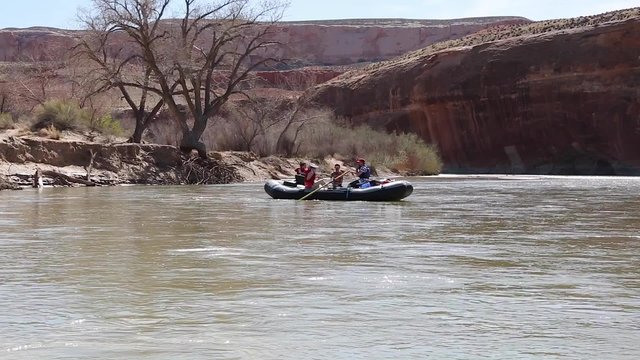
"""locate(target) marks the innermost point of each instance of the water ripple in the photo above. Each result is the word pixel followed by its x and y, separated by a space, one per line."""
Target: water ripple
pixel 465 268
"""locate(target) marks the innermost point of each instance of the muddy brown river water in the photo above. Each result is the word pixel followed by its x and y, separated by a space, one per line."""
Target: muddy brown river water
pixel 468 267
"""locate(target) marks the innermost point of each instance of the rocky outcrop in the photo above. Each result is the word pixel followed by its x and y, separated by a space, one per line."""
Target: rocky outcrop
pixel 345 42
pixel 6 184
pixel 35 44
pixel 337 42
pixel 297 79
pixel 561 101
pixel 67 162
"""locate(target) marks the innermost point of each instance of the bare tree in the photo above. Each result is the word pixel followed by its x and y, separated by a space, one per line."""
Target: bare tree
pixel 38 75
pixel 35 80
pixel 252 119
pixel 295 121
pixel 5 98
pixel 113 67
pixel 198 61
pixel 298 116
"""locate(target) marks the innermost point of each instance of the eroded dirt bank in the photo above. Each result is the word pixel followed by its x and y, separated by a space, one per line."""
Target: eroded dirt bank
pixel 74 162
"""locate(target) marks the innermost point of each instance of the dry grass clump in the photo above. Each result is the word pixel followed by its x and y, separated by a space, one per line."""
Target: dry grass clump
pixel 50 132
pixel 402 152
pixel 414 156
pixel 6 121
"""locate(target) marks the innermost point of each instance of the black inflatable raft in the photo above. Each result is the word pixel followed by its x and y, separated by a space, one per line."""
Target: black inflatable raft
pixel 380 191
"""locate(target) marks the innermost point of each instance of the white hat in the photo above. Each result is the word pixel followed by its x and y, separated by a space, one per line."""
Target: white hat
pixel 313 165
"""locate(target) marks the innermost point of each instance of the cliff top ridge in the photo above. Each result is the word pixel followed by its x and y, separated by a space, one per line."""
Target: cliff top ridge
pixel 382 22
pixel 504 32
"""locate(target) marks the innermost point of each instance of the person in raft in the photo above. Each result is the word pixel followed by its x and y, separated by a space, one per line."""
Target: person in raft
pixel 310 176
pixel 336 177
pixel 300 173
pixel 363 172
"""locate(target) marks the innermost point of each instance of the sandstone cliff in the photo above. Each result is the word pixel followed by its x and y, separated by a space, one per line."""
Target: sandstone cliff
pixel 345 42
pixel 337 42
pixel 564 100
pixel 35 44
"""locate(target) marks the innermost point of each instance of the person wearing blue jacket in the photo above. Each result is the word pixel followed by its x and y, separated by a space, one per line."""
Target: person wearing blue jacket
pixel 363 172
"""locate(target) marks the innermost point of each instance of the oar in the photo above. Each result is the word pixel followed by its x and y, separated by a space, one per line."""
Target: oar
pixel 314 191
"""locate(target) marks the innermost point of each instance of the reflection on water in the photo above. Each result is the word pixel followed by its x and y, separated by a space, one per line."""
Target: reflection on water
pixel 466 267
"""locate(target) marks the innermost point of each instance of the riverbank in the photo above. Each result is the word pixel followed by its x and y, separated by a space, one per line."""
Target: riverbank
pixel 77 161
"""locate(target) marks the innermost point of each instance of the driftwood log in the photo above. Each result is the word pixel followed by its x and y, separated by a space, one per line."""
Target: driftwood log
pixel 90 166
pixel 67 178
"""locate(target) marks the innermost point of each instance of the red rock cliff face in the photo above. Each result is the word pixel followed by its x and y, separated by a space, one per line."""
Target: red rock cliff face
pixel 344 42
pixel 34 44
pixel 562 102
pixel 337 42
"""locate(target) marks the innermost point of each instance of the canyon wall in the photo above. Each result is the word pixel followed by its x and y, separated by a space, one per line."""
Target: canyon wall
pixel 35 44
pixel 345 42
pixel 559 102
pixel 310 43
pixel 563 101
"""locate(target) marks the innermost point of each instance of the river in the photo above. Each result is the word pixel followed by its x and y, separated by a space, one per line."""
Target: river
pixel 468 267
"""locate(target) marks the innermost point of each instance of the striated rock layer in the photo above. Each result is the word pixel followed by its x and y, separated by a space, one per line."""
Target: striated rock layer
pixel 333 42
pixel 561 102
pixel 345 42
pixel 35 44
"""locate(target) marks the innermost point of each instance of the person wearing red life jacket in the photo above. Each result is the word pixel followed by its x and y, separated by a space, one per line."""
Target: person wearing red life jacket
pixel 300 173
pixel 310 176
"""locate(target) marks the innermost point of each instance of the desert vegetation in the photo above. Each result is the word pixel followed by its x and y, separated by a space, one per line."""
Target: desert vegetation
pixel 540 27
pixel 404 152
pixel 137 75
pixel 260 122
pixel 199 60
pixel 6 121
pixel 67 115
pixel 278 127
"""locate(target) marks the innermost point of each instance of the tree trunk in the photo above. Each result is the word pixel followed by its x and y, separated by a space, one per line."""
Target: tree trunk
pixel 191 139
pixel 138 131
pixel 192 142
pixel 284 144
pixel 55 174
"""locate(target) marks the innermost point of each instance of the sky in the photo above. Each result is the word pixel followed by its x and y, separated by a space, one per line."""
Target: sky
pixel 62 13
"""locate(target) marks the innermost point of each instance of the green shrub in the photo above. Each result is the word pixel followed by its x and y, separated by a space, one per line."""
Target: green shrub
pixel 62 115
pixel 316 134
pixel 400 152
pixel 415 156
pixel 6 121
pixel 107 125
pixel 67 115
